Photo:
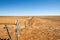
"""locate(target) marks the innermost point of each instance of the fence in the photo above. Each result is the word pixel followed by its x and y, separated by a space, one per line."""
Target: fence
pixel 8 30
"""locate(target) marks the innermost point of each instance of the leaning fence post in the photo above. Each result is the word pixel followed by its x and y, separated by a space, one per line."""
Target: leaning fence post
pixel 12 24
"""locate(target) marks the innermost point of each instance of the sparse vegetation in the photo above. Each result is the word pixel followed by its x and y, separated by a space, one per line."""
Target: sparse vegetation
pixel 32 28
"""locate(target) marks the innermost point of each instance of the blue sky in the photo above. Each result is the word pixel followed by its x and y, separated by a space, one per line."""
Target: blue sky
pixel 29 7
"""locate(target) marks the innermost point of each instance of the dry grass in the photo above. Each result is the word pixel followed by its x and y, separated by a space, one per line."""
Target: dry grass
pixel 32 28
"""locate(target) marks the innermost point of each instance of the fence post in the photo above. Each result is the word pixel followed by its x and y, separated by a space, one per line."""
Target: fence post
pixel 17 30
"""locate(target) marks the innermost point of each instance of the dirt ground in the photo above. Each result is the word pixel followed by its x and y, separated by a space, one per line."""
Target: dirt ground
pixel 32 27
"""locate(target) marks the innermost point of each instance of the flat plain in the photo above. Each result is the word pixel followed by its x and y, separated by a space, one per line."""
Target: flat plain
pixel 31 27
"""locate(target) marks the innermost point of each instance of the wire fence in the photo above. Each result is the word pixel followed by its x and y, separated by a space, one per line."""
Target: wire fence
pixel 6 27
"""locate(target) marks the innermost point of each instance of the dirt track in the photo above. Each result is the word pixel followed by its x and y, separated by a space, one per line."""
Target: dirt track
pixel 32 28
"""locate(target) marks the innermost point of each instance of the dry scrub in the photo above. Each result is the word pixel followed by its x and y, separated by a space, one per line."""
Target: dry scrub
pixel 32 28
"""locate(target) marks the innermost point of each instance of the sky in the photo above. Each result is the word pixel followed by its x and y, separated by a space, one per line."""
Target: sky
pixel 29 7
